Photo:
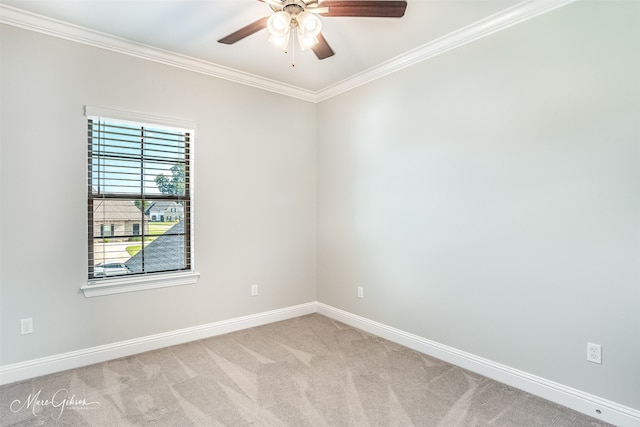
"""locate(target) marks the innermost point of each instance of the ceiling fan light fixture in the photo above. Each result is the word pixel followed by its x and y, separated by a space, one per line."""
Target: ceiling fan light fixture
pixel 306 42
pixel 279 24
pixel 309 24
pixel 281 43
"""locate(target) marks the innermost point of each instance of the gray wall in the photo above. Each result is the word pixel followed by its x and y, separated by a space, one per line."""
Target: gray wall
pixel 489 198
pixel 255 209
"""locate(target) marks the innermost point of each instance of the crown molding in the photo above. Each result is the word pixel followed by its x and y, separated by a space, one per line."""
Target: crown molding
pixel 53 27
pixel 511 16
pixel 504 19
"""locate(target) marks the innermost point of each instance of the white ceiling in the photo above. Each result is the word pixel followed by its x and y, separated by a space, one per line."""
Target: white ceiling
pixel 364 47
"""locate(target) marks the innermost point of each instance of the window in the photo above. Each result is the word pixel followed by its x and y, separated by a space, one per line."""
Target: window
pixel 131 166
pixel 106 230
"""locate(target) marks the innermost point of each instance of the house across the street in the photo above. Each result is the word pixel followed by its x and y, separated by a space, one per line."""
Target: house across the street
pixel 116 218
pixel 165 211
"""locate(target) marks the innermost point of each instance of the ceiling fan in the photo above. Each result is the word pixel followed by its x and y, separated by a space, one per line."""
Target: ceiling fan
pixel 299 17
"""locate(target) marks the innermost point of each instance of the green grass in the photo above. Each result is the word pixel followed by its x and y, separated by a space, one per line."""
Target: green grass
pixel 132 250
pixel 160 227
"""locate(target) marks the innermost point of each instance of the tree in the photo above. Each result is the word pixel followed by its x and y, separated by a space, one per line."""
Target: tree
pixel 138 204
pixel 174 185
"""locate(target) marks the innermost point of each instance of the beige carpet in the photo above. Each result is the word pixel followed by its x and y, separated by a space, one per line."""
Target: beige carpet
pixel 307 371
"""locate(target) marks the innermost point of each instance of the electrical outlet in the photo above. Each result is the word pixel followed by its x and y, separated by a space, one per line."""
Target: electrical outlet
pixel 254 290
pixel 360 292
pixel 594 353
pixel 26 326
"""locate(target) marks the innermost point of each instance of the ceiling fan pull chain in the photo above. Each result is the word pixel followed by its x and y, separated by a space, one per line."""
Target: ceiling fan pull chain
pixel 293 49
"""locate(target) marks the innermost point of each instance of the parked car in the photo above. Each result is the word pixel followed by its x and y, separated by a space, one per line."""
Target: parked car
pixel 110 269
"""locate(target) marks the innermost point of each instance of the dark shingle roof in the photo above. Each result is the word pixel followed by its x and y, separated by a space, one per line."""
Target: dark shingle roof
pixel 164 253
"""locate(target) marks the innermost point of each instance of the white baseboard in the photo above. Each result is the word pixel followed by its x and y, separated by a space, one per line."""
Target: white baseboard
pixel 577 400
pixel 610 412
pixel 75 359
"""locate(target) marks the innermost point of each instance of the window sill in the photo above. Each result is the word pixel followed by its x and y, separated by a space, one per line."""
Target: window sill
pixel 96 288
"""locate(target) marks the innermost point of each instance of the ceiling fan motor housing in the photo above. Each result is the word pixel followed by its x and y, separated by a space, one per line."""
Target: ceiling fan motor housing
pixel 292 7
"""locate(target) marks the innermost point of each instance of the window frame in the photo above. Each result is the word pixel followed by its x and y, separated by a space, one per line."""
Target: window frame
pixel 151 280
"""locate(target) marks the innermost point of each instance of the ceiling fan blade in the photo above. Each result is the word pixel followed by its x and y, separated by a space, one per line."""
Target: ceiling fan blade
pixel 245 31
pixel 317 10
pixel 369 9
pixel 322 49
pixel 275 3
